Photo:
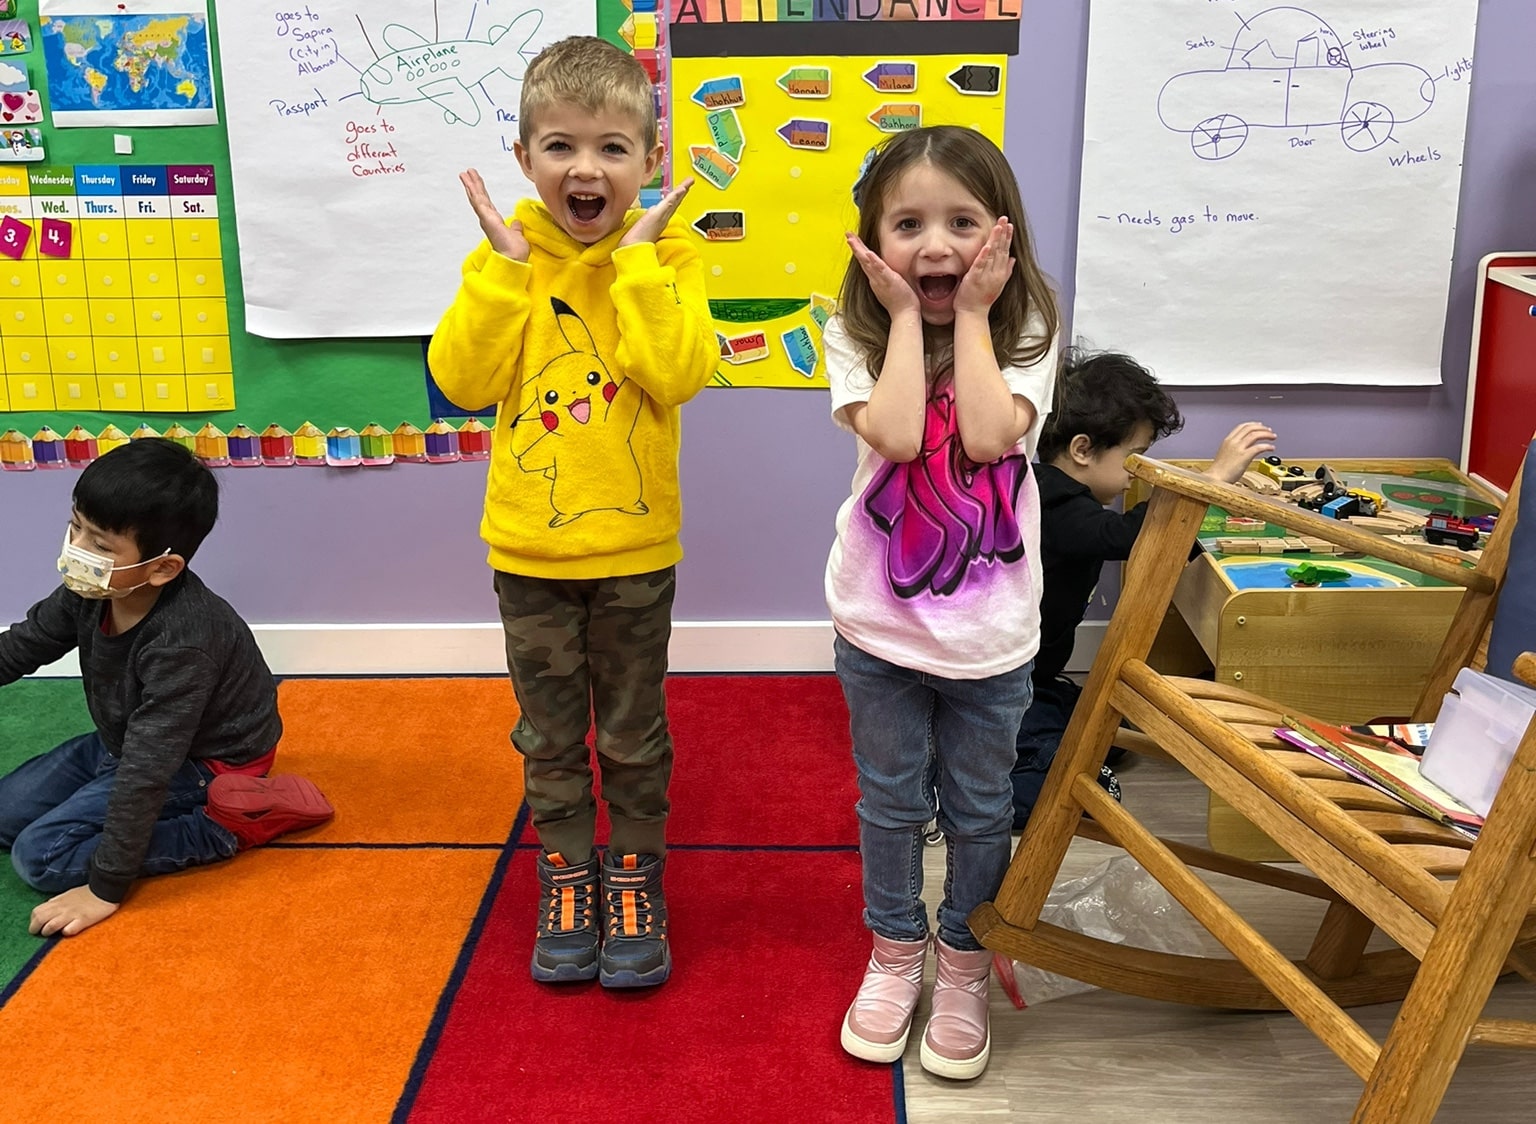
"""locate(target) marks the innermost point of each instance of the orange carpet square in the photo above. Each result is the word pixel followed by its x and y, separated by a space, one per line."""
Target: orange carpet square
pixel 405 760
pixel 283 985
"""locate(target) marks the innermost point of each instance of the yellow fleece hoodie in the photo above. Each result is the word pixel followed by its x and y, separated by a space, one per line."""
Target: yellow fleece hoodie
pixel 588 352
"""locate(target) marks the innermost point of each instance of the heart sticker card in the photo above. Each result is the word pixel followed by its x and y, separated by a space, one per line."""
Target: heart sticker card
pixel 20 109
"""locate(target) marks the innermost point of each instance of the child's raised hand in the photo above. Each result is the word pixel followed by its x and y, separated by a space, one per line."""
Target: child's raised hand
pixel 506 238
pixel 889 287
pixel 1238 448
pixel 649 226
pixel 983 282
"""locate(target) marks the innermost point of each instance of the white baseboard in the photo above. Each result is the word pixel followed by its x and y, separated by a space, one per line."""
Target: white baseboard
pixel 477 649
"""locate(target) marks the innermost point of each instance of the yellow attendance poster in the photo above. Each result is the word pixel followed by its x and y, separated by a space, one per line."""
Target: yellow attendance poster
pixel 775 170
pixel 773 107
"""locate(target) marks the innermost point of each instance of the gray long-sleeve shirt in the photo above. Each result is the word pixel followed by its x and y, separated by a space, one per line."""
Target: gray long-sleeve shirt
pixel 188 681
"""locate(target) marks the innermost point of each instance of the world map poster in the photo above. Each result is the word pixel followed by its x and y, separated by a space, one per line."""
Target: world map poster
pixel 115 63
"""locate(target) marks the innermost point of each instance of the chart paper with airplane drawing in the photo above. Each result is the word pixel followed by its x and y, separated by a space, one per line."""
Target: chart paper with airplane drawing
pixel 1269 192
pixel 348 126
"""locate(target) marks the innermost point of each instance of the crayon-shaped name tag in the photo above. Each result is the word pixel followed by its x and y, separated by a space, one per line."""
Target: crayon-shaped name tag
pixel 892 77
pixel 722 226
pixel 713 165
pixel 980 79
pixel 746 348
pixel 725 131
pixel 720 93
pixel 897 117
pixel 822 308
pixel 800 350
pixel 806 82
pixel 802 133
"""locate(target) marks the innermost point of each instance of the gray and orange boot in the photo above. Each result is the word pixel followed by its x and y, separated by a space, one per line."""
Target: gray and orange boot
pixel 565 949
pixel 635 952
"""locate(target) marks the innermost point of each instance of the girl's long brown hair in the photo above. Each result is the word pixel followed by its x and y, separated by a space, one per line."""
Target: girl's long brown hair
pixel 983 171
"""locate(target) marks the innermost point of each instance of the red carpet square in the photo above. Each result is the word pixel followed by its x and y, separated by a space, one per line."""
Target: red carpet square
pixel 768 949
pixel 761 761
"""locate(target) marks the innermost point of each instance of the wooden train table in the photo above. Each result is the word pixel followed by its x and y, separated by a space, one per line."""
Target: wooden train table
pixel 1348 649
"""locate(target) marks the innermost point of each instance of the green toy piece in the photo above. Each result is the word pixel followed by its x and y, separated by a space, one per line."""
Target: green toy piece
pixel 1309 575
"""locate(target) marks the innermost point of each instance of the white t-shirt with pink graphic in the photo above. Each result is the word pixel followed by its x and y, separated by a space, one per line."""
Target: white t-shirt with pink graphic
pixel 936 566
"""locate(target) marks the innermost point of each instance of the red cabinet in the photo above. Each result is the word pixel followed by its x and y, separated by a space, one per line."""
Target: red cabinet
pixel 1501 378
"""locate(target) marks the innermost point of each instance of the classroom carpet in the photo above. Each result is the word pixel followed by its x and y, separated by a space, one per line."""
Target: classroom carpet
pixel 376 968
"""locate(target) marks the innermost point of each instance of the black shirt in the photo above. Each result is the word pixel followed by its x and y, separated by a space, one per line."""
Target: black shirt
pixel 1077 536
pixel 186 681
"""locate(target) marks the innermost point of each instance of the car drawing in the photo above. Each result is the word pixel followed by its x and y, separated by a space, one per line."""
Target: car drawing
pixel 1287 69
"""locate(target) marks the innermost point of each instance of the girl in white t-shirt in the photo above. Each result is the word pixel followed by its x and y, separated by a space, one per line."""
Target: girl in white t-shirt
pixel 942 360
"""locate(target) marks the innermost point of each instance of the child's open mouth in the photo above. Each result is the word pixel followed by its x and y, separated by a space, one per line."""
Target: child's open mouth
pixel 938 287
pixel 585 208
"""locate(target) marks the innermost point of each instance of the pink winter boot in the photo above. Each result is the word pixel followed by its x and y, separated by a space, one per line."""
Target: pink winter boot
pixel 958 1038
pixel 876 1025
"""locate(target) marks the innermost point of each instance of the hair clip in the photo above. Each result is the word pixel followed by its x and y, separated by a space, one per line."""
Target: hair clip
pixel 858 183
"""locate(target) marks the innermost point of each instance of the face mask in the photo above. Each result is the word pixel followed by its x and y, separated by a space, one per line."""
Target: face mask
pixel 90 575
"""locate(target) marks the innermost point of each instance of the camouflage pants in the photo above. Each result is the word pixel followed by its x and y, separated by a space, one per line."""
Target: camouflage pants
pixel 583 649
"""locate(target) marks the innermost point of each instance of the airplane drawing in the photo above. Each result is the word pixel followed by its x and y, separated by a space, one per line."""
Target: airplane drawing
pixel 445 71
pixel 1287 69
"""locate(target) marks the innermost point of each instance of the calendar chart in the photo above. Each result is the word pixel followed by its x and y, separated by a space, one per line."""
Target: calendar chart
pixel 112 290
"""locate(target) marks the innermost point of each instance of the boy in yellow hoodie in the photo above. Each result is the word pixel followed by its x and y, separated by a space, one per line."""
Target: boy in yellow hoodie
pixel 587 324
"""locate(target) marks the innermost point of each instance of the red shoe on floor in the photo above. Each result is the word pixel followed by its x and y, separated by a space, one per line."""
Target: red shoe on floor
pixel 256 810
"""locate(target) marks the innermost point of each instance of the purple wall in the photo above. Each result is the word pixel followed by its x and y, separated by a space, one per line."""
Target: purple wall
pixel 764 471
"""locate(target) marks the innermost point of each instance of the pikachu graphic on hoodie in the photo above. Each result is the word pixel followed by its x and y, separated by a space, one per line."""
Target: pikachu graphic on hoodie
pixel 577 413
pixel 588 351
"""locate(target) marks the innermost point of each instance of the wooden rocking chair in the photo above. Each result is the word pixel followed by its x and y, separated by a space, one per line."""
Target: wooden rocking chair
pixel 1460 912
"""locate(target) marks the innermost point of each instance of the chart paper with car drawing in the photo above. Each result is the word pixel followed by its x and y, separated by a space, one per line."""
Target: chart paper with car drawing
pixel 1269 193
pixel 348 125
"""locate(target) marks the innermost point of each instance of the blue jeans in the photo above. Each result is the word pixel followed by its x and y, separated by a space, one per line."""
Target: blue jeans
pixel 926 746
pixel 1039 739
pixel 52 809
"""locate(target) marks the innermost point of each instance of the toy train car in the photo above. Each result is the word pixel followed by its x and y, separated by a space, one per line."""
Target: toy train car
pixel 1446 529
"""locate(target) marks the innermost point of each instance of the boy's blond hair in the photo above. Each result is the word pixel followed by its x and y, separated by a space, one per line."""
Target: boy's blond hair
pixel 592 74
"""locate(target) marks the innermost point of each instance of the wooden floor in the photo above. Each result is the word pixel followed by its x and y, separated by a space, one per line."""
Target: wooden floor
pixel 1112 1059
